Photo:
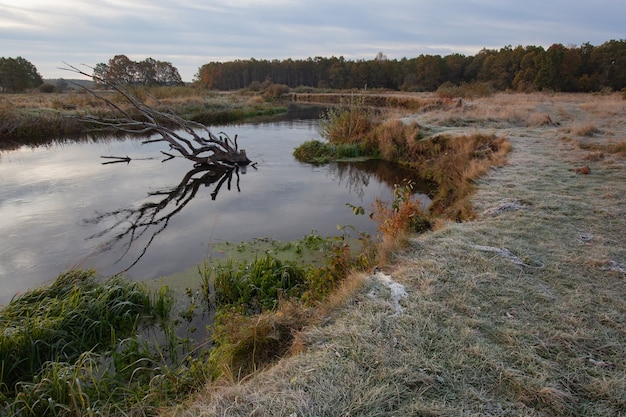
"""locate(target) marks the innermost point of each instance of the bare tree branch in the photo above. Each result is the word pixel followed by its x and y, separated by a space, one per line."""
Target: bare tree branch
pixel 184 136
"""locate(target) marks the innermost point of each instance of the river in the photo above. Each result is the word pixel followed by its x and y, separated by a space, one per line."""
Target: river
pixel 62 206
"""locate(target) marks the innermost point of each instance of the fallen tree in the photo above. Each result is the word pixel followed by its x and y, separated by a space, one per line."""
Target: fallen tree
pixel 191 140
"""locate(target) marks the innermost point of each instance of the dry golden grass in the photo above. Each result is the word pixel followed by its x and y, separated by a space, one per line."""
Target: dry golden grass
pixel 394 139
pixel 521 312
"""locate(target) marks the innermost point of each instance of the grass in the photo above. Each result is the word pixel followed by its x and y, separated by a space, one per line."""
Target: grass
pixel 480 335
pixel 318 152
pixel 37 118
pixel 262 303
pixel 73 345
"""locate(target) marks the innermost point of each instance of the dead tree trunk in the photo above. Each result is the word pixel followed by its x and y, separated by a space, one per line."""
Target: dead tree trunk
pixel 189 139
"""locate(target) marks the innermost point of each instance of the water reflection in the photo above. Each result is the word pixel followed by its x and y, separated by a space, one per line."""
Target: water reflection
pixel 357 176
pixel 139 226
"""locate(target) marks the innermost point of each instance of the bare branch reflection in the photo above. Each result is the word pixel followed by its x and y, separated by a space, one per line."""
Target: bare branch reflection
pixel 135 229
pixel 356 176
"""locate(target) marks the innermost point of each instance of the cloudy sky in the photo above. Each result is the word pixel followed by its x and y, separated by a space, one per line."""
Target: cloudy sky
pixel 190 33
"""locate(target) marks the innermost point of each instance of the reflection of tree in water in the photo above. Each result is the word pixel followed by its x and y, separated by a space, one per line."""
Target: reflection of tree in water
pixel 138 227
pixel 356 179
pixel 356 176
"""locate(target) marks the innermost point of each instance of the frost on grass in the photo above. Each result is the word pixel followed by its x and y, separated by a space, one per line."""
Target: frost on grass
pixel 509 255
pixel 398 291
pixel 513 205
pixel 616 267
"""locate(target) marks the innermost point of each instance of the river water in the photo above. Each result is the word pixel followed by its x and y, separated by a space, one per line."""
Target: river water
pixel 62 206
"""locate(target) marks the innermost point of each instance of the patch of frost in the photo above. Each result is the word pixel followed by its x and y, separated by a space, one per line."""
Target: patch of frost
pixel 398 290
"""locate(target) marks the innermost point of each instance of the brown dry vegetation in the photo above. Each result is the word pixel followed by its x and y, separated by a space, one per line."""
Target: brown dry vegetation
pixel 37 118
pixel 521 311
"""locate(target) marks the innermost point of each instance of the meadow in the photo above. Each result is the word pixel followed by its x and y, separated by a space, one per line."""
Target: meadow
pixel 518 311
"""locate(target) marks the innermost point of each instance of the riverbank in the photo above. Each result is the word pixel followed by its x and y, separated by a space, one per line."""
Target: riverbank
pixel 36 118
pixel 521 311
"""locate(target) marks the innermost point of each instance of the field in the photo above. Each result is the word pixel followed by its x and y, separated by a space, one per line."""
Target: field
pixel 36 118
pixel 519 312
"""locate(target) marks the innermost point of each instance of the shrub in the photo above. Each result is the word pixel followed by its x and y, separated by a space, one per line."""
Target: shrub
pixel 395 139
pixel 396 220
pixel 47 88
pixel 275 91
pixel 348 123
pixel 255 86
pixel 465 90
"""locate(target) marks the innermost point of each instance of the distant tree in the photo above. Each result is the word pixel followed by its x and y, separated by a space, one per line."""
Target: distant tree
pixel 358 77
pixel 61 85
pixel 499 69
pixel 524 79
pixel 455 67
pixel 208 74
pixel 146 72
pixel 100 72
pixel 167 74
pixel 337 74
pixel 475 64
pixel 122 70
pixel 608 64
pixel 546 76
pixel 567 63
pixel 430 72
pixel 18 74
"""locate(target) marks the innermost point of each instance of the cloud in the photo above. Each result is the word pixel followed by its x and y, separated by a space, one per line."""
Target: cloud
pixel 190 33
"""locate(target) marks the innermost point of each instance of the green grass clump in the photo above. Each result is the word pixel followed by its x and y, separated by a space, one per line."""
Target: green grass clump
pixel 318 152
pixel 74 345
pixel 74 315
pixel 256 286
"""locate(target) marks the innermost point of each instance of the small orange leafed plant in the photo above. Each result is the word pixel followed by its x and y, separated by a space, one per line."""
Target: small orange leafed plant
pixel 398 219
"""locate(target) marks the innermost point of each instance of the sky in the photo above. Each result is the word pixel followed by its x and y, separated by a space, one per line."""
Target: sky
pixel 191 33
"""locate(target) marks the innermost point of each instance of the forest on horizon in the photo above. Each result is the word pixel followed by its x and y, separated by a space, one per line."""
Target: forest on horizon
pixel 531 68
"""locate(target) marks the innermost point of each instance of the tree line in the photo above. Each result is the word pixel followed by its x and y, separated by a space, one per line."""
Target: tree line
pixel 531 68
